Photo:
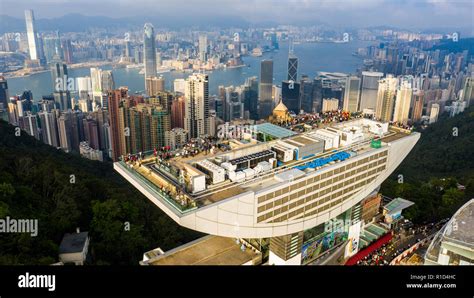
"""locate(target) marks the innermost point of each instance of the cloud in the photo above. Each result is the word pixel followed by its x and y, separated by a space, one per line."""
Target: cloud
pixel 401 13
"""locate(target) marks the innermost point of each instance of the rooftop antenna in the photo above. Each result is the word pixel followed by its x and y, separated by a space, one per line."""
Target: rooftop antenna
pixel 290 47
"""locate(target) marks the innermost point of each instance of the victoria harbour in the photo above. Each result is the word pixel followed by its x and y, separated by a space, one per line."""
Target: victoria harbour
pixel 314 57
pixel 327 134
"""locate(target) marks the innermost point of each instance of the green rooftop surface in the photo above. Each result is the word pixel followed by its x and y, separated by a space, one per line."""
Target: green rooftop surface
pixel 274 130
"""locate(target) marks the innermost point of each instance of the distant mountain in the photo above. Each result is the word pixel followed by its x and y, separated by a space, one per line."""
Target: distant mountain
pixel 81 23
pixel 456 46
pixel 11 24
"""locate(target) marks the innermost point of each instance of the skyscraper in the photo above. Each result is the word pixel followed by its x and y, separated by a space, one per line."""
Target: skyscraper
pixel 434 113
pixel 107 81
pixel 4 96
pixel 117 128
pixel 29 123
pixel 387 89
pixel 177 112
pixel 370 86
pixel 67 51
pixel 179 85
pixel 418 102
pixel 203 47
pixel 292 67
pixel 306 94
pixel 96 84
pixel 265 91
pixel 61 93
pixel 153 85
pixel 403 102
pixel 49 128
pixel 52 47
pixel 290 93
pixel 196 119
pixel 251 97
pixel 328 85
pixel 467 91
pixel 234 103
pixel 33 46
pixel 149 50
pixel 84 88
pixel 65 132
pixel 91 132
pixel 352 94
pixel 330 104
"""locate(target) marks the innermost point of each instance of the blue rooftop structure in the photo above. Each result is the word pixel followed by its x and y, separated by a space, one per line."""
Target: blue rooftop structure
pixel 319 162
pixel 274 131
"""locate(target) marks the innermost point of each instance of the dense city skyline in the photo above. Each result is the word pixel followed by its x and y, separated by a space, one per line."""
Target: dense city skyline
pixel 269 132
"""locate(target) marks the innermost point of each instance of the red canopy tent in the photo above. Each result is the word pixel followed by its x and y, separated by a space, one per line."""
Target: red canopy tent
pixel 366 251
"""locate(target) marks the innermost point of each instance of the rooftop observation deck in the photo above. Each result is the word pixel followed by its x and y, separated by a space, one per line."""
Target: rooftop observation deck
pixel 209 250
pixel 155 177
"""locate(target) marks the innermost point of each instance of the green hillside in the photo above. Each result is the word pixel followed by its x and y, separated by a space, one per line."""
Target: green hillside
pixel 35 184
pixel 434 170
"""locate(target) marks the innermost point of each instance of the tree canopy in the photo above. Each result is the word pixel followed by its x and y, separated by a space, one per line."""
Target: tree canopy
pixel 35 183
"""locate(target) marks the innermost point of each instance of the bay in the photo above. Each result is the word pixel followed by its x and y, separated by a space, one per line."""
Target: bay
pixel 312 58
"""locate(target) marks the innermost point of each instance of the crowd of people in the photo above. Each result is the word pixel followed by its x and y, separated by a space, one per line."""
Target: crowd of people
pixel 316 119
pixel 377 257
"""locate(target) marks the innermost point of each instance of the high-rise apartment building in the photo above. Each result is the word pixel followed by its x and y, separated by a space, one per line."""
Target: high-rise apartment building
pixel 434 113
pixel 467 91
pixel 149 124
pixel 196 119
pixel 29 123
pixel 153 85
pixel 179 85
pixel 65 132
pixel 178 107
pixel 91 132
pixel 49 128
pixel 403 102
pixel 117 127
pixel 386 93
pixel 417 109
pixel 330 104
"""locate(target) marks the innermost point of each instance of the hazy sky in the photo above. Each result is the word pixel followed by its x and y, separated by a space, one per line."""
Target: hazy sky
pixel 349 13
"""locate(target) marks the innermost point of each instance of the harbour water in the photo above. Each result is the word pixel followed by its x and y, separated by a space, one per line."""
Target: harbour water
pixel 313 57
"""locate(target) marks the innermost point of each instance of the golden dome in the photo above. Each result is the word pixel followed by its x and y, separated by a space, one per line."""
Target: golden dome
pixel 280 107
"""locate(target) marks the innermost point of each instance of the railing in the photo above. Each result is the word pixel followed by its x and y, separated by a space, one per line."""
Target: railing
pixel 154 189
